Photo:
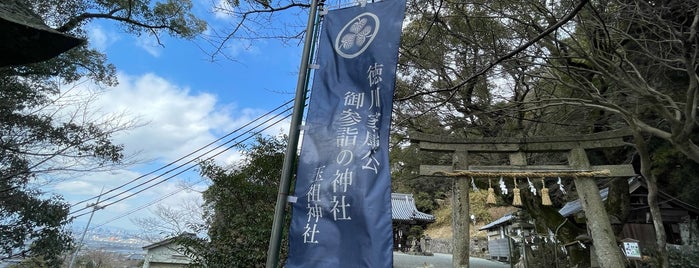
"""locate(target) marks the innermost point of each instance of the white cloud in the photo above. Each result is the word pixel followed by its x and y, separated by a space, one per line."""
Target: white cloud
pixel 99 39
pixel 238 47
pixel 92 184
pixel 178 121
pixel 222 10
pixel 170 193
pixel 149 43
pixel 78 187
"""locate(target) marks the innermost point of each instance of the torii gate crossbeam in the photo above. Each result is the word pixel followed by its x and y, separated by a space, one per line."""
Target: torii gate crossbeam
pixel 578 165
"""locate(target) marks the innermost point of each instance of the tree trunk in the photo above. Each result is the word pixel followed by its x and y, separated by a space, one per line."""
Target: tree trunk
pixel 688 148
pixel 618 203
pixel 652 185
pixel 660 237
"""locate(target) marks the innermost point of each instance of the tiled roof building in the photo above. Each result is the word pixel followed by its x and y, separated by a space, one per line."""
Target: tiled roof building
pixel 405 216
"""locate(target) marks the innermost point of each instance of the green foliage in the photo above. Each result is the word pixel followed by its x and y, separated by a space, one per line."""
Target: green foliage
pixel 619 64
pixel 240 206
pixel 684 256
pixel 179 23
pixel 32 262
pixel 38 140
pixel 34 143
pixel 415 232
pixel 425 202
pixel 136 16
pixel 678 173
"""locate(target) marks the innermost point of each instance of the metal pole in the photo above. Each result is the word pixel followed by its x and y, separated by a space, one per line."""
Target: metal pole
pixel 294 129
pixel 95 207
pixel 509 249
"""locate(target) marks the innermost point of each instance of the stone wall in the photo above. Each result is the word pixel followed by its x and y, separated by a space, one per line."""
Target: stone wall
pixel 477 248
pixel 441 245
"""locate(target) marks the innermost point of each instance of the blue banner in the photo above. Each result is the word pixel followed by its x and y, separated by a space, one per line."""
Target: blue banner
pixel 342 215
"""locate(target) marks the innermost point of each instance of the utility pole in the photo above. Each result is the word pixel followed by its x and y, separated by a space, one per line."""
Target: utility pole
pixel 95 206
pixel 294 133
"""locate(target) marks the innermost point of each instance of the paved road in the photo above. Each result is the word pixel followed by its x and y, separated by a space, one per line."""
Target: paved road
pixel 402 260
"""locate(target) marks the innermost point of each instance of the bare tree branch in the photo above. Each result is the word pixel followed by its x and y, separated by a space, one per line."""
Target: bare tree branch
pixel 519 49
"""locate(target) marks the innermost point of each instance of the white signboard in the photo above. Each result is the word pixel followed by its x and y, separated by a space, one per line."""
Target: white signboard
pixel 632 250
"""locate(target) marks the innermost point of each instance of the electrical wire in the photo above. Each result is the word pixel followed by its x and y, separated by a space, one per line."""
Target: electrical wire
pixel 187 155
pixel 146 205
pixel 190 161
pixel 174 175
pixel 247 132
pixel 252 134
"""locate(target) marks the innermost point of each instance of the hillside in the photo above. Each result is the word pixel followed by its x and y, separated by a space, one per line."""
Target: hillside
pixel 442 227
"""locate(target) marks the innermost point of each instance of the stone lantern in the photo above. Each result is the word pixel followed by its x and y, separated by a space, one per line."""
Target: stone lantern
pixel 428 241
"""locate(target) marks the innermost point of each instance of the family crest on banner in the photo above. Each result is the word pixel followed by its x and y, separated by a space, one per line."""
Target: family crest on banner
pixel 342 216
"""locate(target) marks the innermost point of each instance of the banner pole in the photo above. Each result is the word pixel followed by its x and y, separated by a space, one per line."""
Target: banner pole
pixel 294 133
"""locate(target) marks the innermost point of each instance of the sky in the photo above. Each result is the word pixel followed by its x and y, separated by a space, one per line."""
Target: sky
pixel 180 99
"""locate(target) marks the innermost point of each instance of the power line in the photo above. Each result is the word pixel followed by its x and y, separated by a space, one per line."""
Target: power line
pixel 192 160
pixel 186 169
pixel 252 134
pixel 146 205
pixel 187 155
pixel 174 175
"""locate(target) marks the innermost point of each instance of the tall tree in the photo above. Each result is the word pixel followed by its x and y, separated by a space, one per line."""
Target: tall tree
pixel 239 207
pixel 459 66
pixel 36 141
pixel 635 61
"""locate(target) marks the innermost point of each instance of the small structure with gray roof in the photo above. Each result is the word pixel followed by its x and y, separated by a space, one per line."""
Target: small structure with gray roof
pixel 166 254
pixel 405 215
pixel 679 220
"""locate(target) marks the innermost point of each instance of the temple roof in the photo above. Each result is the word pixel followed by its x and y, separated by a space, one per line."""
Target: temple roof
pixel 501 221
pixel 404 210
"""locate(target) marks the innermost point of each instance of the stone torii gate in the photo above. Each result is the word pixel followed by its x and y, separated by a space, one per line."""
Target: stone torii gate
pixel 578 167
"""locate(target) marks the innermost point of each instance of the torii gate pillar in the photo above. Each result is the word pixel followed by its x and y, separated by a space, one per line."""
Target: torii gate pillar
pixel 600 229
pixel 578 165
pixel 460 215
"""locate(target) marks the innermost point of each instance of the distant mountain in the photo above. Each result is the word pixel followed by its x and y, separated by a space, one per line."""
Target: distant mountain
pixel 110 239
pixel 121 233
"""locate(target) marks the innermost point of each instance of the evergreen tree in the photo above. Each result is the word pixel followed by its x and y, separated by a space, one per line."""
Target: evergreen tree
pixel 239 207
